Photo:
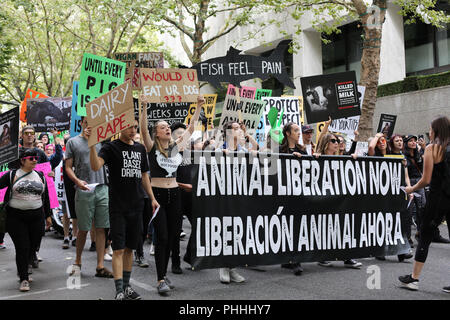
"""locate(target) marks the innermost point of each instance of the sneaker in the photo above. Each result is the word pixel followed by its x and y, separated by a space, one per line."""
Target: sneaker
pixel 405 256
pixel 120 296
pixel 176 269
pixel 140 261
pixel 409 283
pixel 130 294
pixel 235 276
pixel 182 234
pixel 92 248
pixel 169 283
pixel 298 270
pixel 352 264
pixel 66 244
pixel 163 287
pixel 107 257
pixel 24 286
pixel 109 250
pixel 446 289
pixel 324 263
pixel 2 246
pixel 224 275
pixel 74 242
pixel 152 249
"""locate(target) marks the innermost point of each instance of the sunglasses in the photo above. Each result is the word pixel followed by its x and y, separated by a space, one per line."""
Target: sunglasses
pixel 381 140
pixel 29 133
pixel 31 158
pixel 334 140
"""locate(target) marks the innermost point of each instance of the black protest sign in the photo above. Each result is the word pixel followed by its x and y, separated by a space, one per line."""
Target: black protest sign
pixel 279 208
pixel 330 95
pixel 387 124
pixel 169 112
pixel 9 136
pixel 46 114
pixel 235 67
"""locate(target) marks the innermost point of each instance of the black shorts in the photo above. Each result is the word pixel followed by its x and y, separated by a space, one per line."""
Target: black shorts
pixel 125 230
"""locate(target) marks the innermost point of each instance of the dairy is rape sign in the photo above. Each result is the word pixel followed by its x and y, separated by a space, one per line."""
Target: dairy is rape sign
pixel 169 85
pixel 110 113
pixel 98 76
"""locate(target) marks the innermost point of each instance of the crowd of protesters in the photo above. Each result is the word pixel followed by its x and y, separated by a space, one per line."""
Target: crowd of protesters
pixel 124 192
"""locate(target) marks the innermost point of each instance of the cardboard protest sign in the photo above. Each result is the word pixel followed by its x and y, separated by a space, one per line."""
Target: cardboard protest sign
pixel 169 85
pixel 250 111
pixel 137 60
pixel 75 119
pixel 9 136
pixel 169 112
pixel 98 76
pixel 45 114
pixel 292 107
pixel 260 93
pixel 59 183
pixel 235 68
pixel 110 113
pixel 245 92
pixel 208 112
pixel 387 124
pixel 23 106
pixel 334 95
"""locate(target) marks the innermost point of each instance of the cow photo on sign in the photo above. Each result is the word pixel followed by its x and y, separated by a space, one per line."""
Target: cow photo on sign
pixel 46 114
pixel 9 135
pixel 331 95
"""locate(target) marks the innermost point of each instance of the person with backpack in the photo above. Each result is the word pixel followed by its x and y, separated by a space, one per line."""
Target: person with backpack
pixel 25 201
pixel 436 173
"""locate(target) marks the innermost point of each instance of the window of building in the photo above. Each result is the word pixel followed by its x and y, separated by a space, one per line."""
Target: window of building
pixel 272 83
pixel 344 51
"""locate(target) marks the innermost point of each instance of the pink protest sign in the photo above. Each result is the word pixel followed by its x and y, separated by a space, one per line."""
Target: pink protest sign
pixel 45 168
pixel 244 92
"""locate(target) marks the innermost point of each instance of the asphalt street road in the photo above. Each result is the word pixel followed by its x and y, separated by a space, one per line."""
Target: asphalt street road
pixel 263 283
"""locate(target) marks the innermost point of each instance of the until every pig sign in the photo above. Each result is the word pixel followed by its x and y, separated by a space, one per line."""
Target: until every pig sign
pixel 110 113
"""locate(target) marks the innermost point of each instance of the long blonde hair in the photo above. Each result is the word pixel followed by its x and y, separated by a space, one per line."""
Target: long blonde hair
pixel 157 142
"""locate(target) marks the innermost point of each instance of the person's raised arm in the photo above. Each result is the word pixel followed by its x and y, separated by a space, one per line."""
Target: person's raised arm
pixel 145 135
pixel 190 129
pixel 427 171
pixel 325 128
pixel 373 144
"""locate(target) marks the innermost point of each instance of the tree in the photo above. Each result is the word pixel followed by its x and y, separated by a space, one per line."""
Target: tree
pixel 371 18
pixel 50 38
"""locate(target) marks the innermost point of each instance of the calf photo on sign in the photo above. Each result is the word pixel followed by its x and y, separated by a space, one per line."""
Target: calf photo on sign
pixel 111 113
pixel 331 95
pixel 9 135
pixel 387 124
pixel 46 114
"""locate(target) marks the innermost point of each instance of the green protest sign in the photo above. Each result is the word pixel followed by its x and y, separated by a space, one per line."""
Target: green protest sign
pixel 98 76
pixel 260 93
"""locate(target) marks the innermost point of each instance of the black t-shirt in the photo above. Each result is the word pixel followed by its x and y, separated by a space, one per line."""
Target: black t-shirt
pixel 184 172
pixel 162 167
pixel 292 150
pixel 126 164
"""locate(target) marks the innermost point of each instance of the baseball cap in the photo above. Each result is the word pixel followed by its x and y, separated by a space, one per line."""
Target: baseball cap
pixel 307 128
pixel 409 137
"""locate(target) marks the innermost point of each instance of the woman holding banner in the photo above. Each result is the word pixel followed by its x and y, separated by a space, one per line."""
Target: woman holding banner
pixel 164 158
pixel 435 174
pixel 377 146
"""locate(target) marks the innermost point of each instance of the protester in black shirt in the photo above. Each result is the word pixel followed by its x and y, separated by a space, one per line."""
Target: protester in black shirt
pixel 128 167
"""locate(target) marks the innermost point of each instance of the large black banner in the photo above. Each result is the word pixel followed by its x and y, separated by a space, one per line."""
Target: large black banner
pixel 9 136
pixel 274 209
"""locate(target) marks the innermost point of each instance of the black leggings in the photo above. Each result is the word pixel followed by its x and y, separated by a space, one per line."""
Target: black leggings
pixel 167 226
pixel 146 215
pixel 25 229
pixel 436 206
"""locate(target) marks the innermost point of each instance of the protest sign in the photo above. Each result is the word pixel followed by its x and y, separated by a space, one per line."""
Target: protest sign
pixel 23 106
pixel 207 116
pixel 110 113
pixel 387 124
pixel 98 76
pixel 75 119
pixel 250 110
pixel 137 60
pixel 46 114
pixel 245 92
pixel 59 182
pixel 331 95
pixel 278 208
pixel 260 93
pixel 235 68
pixel 169 112
pixel 169 85
pixel 9 135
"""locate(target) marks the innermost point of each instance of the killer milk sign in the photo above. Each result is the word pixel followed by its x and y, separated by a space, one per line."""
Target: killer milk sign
pixel 169 85
pixel 110 113
pixel 98 76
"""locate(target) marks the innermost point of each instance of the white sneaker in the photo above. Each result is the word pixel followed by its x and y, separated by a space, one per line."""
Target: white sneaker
pixel 152 249
pixel 224 275
pixel 235 276
pixel 109 250
pixel 107 257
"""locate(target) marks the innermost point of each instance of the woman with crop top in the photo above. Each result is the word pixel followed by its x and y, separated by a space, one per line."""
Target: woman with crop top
pixel 164 158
